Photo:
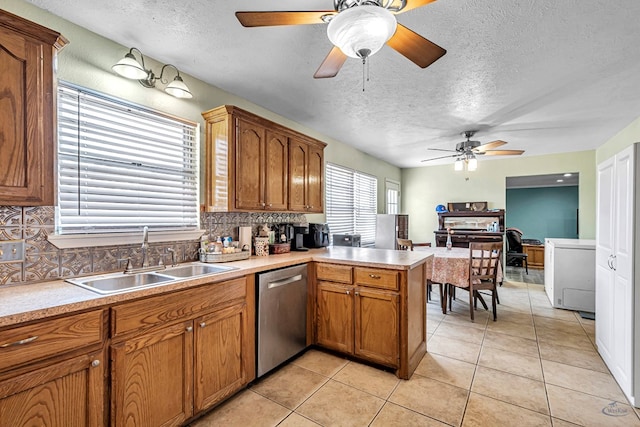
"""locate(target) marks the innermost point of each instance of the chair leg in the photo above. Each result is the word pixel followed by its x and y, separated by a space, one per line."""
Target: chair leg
pixel 471 302
pixel 496 292
pixel 428 291
pixel 526 265
pixel 494 298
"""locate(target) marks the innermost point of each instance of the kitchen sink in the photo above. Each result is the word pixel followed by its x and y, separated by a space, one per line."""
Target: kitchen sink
pixel 119 282
pixel 116 283
pixel 193 270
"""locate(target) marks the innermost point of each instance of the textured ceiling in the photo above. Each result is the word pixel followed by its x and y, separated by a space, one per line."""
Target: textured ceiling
pixel 546 76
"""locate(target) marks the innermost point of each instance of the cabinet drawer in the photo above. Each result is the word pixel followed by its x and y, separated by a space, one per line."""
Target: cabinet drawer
pixel 378 278
pixel 150 312
pixel 48 338
pixel 334 272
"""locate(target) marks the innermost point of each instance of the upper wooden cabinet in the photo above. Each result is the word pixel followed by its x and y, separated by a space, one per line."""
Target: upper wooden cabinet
pixel 27 111
pixel 254 164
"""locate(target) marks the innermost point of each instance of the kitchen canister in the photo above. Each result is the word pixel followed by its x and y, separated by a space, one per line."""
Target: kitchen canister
pixel 261 245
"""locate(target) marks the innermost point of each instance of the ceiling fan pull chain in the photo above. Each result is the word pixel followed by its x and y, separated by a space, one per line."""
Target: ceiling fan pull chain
pixel 364 64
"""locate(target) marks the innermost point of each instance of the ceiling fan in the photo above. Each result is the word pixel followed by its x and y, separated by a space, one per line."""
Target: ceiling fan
pixel 358 29
pixel 466 151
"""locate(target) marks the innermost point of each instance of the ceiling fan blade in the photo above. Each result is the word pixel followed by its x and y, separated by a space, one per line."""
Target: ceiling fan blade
pixel 414 4
pixel 442 149
pixel 489 145
pixel 414 47
pixel 266 19
pixel 502 152
pixel 438 158
pixel 331 64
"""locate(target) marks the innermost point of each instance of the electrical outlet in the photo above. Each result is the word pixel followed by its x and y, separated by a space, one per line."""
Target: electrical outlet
pixel 11 250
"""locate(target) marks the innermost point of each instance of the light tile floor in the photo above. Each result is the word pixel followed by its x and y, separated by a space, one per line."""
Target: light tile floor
pixel 535 366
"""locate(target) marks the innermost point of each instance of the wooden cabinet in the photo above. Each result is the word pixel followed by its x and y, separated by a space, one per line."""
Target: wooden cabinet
pixel 254 164
pixel 358 319
pixel 27 111
pixel 535 258
pixel 305 177
pixel 53 372
pixel 178 354
pixel 261 168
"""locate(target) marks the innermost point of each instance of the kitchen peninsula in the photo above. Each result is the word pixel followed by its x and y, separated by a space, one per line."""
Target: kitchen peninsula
pixel 366 303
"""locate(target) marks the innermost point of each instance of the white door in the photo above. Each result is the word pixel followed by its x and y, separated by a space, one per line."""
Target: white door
pixel 623 270
pixel 604 254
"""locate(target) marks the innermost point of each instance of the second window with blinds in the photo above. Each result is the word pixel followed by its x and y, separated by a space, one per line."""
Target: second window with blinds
pixel 351 202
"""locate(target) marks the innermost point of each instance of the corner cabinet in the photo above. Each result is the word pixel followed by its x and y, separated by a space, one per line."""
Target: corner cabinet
pixel 377 315
pixel 254 164
pixel 27 111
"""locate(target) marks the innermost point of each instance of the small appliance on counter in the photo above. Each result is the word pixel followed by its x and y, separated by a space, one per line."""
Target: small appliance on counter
pixel 318 236
pixel 299 231
pixel 352 240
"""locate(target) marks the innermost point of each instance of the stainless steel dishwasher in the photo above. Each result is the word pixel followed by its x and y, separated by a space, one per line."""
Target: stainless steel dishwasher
pixel 281 316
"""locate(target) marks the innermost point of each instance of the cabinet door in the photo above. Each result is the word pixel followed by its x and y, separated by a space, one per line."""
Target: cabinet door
pixel 249 175
pixel 376 326
pixel 69 393
pixel 335 316
pixel 26 121
pixel 276 172
pixel 314 181
pixel 298 163
pixel 152 378
pixel 222 353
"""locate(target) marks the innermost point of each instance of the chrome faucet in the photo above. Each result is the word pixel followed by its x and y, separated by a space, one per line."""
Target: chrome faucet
pixel 145 247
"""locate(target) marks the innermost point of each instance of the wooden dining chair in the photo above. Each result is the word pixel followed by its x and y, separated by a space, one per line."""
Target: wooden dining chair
pixel 407 245
pixel 484 262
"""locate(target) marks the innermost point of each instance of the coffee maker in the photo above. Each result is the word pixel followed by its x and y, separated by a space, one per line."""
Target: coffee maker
pixel 318 236
pixel 299 231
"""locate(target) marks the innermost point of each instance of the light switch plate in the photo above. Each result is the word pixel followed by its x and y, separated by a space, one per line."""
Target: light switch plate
pixel 11 250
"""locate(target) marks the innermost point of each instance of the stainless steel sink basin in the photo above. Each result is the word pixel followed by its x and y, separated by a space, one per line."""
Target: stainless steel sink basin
pixel 193 270
pixel 111 284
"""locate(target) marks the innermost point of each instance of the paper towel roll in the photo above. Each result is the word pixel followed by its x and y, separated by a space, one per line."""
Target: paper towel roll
pixel 244 237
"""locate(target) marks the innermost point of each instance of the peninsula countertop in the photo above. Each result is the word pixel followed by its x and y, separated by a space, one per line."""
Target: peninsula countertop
pixel 28 302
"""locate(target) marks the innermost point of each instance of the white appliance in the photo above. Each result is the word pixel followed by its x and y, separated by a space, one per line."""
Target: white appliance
pixel 390 227
pixel 569 273
pixel 617 292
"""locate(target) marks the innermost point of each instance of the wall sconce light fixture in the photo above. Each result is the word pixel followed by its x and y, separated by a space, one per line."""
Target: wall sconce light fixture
pixel 130 68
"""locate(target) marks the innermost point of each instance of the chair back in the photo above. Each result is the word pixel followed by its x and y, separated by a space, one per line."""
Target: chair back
pixel 484 261
pixel 514 241
pixel 405 244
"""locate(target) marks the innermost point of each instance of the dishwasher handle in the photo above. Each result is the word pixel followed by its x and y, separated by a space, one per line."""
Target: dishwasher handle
pixel 285 281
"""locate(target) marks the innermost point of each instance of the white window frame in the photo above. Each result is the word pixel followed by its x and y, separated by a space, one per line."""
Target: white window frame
pixel 351 202
pixel 392 196
pixel 107 130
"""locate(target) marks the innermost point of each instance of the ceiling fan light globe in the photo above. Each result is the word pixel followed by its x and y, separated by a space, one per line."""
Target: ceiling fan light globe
pixel 459 165
pixel 361 28
pixel 473 164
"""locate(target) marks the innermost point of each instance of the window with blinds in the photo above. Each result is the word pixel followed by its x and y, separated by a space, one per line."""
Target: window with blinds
pixel 351 203
pixel 122 166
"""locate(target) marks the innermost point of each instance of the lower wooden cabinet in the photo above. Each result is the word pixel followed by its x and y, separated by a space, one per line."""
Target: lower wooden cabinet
pixel 173 367
pixel 151 377
pixel 535 254
pixel 360 321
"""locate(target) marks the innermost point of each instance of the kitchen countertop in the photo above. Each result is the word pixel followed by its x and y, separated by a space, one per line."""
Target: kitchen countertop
pixel 23 303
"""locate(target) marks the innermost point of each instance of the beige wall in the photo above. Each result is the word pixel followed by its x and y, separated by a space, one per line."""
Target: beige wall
pixel 87 61
pixel 424 188
pixel 621 140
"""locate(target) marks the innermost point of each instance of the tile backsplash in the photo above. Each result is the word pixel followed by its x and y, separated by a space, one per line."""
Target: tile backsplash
pixel 43 261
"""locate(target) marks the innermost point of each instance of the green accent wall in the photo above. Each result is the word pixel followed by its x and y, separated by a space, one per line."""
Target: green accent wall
pixel 543 212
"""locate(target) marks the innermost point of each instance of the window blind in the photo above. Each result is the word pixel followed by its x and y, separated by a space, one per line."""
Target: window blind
pixel 122 166
pixel 351 203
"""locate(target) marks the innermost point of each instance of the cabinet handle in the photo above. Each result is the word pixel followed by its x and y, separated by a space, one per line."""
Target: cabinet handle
pixel 264 204
pixel 613 266
pixel 189 328
pixel 357 293
pixel 20 342
pixel 202 324
pixel 95 363
pixel 270 204
pixel 374 276
pixel 348 292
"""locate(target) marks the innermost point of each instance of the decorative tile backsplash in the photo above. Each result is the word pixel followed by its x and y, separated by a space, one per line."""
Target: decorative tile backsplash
pixel 43 261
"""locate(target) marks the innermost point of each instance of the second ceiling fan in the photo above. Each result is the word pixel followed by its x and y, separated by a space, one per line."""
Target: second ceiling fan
pixel 358 29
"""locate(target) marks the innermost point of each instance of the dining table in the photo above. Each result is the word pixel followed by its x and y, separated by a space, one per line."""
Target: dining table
pixel 449 266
